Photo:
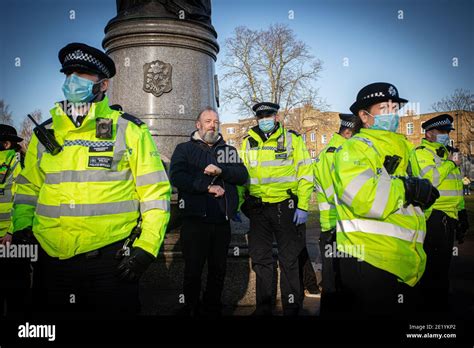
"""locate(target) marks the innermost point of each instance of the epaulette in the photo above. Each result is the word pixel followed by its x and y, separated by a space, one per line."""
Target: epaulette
pixel 116 107
pixel 331 149
pixel 421 147
pixel 294 132
pixel 252 142
pixel 132 119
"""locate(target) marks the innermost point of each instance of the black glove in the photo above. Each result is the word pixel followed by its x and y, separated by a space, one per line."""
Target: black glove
pixel 24 236
pixel 132 267
pixel 419 192
pixel 462 226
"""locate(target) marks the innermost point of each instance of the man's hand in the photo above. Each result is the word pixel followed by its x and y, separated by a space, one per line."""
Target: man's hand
pixel 6 239
pixel 216 190
pixel 419 192
pixel 212 170
pixel 300 217
pixel 24 237
pixel 132 267
pixel 454 156
pixel 237 218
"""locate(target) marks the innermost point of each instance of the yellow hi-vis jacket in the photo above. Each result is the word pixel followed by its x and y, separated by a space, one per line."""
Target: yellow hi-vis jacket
pixel 373 222
pixel 276 165
pixel 430 161
pixel 93 192
pixel 9 169
pixel 323 166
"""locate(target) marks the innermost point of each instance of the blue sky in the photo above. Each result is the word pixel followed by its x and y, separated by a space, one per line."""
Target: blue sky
pixel 414 53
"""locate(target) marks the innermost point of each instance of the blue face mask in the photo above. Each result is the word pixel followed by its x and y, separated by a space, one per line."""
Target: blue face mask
pixel 266 124
pixel 388 122
pixel 79 90
pixel 442 139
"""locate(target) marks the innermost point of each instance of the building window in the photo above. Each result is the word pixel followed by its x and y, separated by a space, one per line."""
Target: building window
pixel 313 154
pixel 313 137
pixel 304 137
pixel 409 128
pixel 231 130
pixel 451 142
pixel 422 130
pixel 231 142
pixel 323 139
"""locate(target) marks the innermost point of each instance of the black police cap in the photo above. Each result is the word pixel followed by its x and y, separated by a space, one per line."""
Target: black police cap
pixel 81 57
pixel 9 133
pixel 265 109
pixel 376 93
pixel 441 122
pixel 348 120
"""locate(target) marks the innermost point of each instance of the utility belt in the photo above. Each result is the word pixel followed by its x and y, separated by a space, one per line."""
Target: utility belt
pixel 444 218
pixel 118 249
pixel 253 203
pixel 108 250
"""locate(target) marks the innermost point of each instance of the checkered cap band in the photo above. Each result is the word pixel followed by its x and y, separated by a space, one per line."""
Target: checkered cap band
pixel 265 107
pixel 444 122
pixel 347 124
pixel 85 57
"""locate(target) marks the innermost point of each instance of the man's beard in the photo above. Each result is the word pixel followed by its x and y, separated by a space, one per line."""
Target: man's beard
pixel 211 137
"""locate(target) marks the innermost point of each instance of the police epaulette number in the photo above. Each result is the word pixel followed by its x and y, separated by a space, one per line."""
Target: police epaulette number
pixel 331 149
pixel 132 119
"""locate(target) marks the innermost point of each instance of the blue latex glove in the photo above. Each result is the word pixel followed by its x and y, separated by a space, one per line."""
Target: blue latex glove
pixel 237 217
pixel 300 217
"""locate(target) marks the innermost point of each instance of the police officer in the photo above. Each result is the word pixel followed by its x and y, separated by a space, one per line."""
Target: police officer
pixel 323 166
pixel 380 222
pixel 279 188
pixel 14 285
pixel 85 190
pixel 436 161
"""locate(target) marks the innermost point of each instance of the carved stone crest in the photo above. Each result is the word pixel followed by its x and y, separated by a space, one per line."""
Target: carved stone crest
pixel 157 77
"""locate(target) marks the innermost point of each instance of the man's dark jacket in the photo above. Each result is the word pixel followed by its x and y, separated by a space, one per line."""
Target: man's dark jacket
pixel 187 175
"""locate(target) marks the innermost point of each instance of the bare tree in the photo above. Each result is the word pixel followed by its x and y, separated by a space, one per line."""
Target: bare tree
pixel 26 127
pixel 269 65
pixel 461 99
pixel 5 114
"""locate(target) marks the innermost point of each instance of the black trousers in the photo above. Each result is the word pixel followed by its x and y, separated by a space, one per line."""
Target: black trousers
pixel 438 245
pixel 15 287
pixel 307 273
pixel 266 222
pixel 330 303
pixel 84 286
pixel 203 242
pixel 368 291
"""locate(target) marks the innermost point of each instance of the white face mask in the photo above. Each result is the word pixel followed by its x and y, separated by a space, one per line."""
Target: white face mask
pixel 442 139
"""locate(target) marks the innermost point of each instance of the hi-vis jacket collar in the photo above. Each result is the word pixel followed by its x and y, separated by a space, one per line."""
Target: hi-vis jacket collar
pixel 432 144
pixel 255 132
pixel 62 122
